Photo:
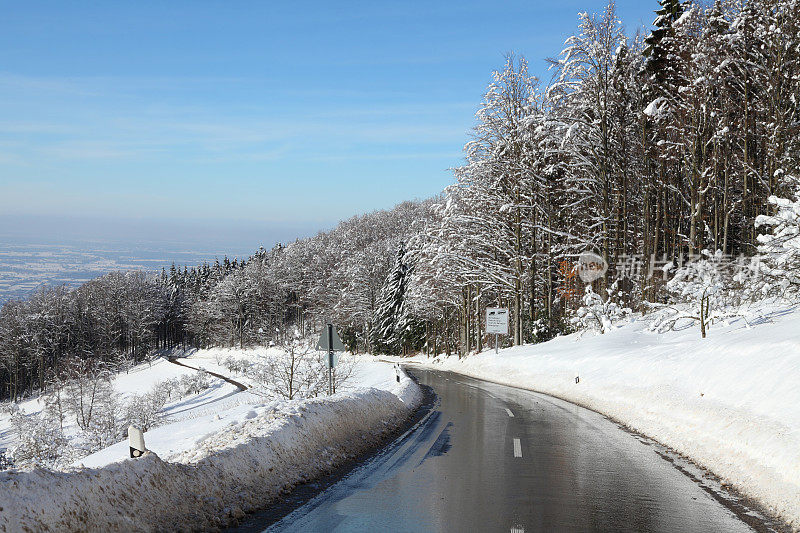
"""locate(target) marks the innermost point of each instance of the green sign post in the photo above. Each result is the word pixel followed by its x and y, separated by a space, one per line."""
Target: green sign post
pixel 330 342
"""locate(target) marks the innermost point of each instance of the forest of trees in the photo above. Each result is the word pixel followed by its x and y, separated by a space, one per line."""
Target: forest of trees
pixel 647 150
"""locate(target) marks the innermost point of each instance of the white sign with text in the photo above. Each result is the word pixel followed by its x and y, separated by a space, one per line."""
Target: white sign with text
pixel 497 320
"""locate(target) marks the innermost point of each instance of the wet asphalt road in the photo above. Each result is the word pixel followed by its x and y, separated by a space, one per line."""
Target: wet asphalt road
pixel 495 458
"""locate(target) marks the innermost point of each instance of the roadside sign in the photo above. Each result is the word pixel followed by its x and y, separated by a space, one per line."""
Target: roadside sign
pixel 497 320
pixel 331 359
pixel 324 343
pixel 330 342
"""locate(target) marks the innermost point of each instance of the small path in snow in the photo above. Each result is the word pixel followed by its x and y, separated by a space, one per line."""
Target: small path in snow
pixel 174 361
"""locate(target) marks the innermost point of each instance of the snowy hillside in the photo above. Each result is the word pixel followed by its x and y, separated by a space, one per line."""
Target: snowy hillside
pixel 731 402
pixel 221 406
pixel 220 453
pixel 126 385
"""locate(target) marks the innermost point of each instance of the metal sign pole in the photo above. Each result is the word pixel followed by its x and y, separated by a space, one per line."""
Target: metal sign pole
pixel 330 359
pixel 495 344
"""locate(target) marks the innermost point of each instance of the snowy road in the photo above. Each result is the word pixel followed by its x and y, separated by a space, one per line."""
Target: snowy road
pixel 495 458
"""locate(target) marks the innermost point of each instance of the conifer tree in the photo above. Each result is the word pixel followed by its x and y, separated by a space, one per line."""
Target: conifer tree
pixel 658 44
pixel 390 306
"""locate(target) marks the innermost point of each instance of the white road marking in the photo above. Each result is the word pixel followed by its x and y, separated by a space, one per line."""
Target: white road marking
pixel 517 448
pixel 517 530
pixel 510 413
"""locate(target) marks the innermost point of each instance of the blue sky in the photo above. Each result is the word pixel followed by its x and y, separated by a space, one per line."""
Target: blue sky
pixel 284 114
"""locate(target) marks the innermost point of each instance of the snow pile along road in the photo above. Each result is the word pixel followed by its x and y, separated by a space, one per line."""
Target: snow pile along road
pixel 730 402
pixel 240 468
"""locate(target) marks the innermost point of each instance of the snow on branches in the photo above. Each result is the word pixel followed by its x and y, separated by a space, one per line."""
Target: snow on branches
pixel 711 285
pixel 40 440
pixel 599 314
pixel 781 247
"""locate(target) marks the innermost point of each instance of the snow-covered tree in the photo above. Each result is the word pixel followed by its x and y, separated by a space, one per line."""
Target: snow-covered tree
pixel 702 282
pixel 780 248
pixel 145 411
pixel 40 440
pixel 585 100
pixel 598 313
pixel 193 383
pixel 389 311
pixel 294 369
pixel 88 393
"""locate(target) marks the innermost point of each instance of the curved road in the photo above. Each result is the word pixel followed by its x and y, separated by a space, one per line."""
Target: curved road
pixel 495 458
pixel 242 388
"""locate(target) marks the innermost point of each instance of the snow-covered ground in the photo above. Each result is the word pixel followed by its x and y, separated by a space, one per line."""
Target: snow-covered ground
pixel 730 402
pixel 222 452
pixel 193 420
pixel 137 380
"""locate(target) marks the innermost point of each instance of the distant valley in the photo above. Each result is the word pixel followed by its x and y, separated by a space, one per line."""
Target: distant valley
pixel 24 266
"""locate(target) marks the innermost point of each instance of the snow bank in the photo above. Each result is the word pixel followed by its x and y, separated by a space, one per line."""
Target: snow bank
pixel 235 470
pixel 730 402
pixel 195 418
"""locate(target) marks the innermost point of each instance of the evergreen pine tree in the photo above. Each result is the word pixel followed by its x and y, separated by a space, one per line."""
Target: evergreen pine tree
pixel 658 44
pixel 390 306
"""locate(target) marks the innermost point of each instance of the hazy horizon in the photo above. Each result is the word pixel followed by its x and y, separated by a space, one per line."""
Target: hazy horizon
pixel 138 134
pixel 55 250
pixel 49 229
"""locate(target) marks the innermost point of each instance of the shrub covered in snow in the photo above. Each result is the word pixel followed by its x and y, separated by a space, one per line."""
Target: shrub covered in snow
pixel 144 411
pixel 40 441
pixel 5 460
pixel 193 383
pixel 106 427
pixel 168 388
pixel 295 371
pixel 8 408
pixel 599 314
pixel 706 283
pixel 236 365
pixel 542 329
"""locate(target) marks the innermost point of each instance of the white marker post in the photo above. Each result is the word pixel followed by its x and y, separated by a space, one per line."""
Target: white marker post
pixel 136 438
pixel 497 323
